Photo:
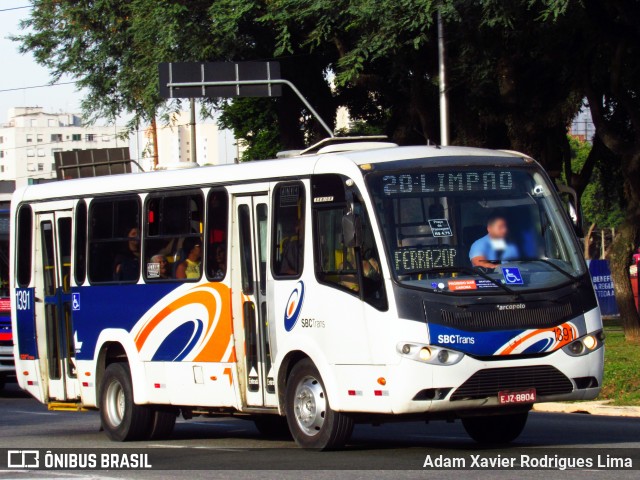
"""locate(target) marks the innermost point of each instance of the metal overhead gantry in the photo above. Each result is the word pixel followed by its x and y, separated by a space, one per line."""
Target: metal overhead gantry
pixel 227 80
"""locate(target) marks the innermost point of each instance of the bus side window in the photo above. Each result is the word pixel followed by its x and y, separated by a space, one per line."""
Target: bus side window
pixel 217 224
pixel 114 240
pixel 288 231
pixel 338 264
pixel 80 247
pixel 357 271
pixel 23 245
pixel 173 238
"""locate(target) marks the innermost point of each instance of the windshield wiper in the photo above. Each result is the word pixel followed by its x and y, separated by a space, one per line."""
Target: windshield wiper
pixel 472 271
pixel 552 265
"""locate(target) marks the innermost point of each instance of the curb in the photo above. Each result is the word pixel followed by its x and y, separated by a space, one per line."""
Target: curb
pixel 593 408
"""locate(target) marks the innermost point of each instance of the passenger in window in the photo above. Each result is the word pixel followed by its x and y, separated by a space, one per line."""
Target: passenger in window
pixel 370 269
pixel 293 251
pixel 190 268
pixel 370 266
pixel 162 268
pixel 495 247
pixel 128 262
pixel 220 264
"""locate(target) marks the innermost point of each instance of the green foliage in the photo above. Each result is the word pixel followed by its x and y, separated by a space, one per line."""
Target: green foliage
pixel 381 55
pixel 112 49
pixel 360 128
pixel 621 382
pixel 602 198
pixel 254 122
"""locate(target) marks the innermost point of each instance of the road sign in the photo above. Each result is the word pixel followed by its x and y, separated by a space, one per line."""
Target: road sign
pixel 227 80
pixel 231 79
pixel 93 162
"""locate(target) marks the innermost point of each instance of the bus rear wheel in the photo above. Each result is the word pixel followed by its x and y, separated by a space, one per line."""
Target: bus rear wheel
pixel 496 429
pixel 163 419
pixel 312 423
pixel 120 417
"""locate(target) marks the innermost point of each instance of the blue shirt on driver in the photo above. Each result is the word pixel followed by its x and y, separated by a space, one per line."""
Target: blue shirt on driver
pixel 483 248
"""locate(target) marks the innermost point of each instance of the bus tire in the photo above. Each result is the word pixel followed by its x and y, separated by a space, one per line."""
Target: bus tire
pixel 121 418
pixel 312 423
pixel 495 429
pixel 273 426
pixel 163 419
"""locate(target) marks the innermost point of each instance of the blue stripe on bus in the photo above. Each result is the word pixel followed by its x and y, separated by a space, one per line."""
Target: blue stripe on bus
pixel 26 321
pixel 177 345
pixel 112 306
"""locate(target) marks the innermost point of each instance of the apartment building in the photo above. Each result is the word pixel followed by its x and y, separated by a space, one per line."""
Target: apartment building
pixel 214 146
pixel 31 136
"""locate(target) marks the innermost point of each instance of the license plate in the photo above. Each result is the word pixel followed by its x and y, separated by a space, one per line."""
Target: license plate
pixel 520 396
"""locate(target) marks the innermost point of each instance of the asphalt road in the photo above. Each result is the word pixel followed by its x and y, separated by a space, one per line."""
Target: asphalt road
pixel 389 451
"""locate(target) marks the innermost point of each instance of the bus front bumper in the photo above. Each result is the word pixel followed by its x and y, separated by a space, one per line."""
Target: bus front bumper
pixel 413 387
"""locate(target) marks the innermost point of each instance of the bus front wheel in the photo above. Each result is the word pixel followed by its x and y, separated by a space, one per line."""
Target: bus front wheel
pixel 495 429
pixel 121 418
pixel 312 423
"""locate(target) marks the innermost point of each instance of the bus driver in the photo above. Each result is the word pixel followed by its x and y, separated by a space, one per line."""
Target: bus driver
pixel 494 247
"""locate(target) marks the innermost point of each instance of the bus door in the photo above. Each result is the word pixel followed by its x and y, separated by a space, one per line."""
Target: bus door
pixel 54 304
pixel 249 287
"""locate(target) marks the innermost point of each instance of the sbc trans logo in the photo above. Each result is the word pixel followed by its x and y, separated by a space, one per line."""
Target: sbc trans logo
pixel 294 306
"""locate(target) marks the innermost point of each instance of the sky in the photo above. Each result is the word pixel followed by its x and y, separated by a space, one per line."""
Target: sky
pixel 22 71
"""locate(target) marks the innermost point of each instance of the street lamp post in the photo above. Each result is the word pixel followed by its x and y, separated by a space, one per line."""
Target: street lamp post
pixel 444 104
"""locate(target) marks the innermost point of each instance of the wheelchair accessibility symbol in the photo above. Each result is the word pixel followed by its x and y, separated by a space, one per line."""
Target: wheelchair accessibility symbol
pixel 75 301
pixel 512 276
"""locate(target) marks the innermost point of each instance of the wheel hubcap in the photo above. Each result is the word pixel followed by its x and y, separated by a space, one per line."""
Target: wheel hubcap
pixel 116 403
pixel 310 405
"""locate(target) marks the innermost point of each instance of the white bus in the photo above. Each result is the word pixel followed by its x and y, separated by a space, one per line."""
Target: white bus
pixel 363 282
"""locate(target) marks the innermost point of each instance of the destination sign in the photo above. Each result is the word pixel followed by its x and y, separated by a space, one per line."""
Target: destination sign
pixel 409 260
pixel 447 182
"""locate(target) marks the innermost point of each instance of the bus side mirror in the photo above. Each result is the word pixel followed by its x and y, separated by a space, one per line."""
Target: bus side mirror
pixel 576 218
pixel 570 199
pixel 352 230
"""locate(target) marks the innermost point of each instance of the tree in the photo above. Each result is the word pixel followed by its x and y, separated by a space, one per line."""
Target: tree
pixel 611 81
pixel 385 66
pixel 248 117
pixel 112 49
pixel 600 194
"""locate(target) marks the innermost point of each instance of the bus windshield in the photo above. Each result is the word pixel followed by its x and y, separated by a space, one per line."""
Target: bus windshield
pixel 488 228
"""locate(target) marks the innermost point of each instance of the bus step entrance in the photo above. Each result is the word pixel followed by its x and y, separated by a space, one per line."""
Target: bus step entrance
pixel 66 406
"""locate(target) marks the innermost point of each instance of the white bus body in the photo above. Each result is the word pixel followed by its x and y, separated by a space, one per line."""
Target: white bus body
pixel 325 290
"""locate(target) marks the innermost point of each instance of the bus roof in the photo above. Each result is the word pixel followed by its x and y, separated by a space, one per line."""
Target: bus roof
pixel 257 171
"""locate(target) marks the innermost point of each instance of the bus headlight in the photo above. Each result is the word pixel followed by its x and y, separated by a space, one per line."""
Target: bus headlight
pixel 590 342
pixel 585 344
pixel 424 354
pixel 429 353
